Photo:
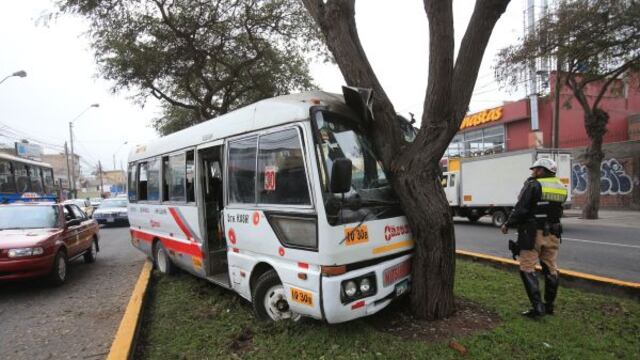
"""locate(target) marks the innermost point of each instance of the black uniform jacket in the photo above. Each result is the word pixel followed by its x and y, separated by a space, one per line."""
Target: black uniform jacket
pixel 525 208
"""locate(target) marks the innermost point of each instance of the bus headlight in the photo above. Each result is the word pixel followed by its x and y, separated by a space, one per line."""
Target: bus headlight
pixel 358 288
pixel 18 253
pixel 350 288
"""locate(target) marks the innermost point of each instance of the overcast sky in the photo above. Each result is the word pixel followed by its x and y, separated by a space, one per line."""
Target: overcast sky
pixel 62 79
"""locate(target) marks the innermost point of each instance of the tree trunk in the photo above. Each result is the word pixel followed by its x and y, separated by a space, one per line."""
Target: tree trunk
pixel 596 126
pixel 427 210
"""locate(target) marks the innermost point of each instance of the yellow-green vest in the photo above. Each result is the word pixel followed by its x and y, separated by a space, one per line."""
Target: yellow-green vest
pixel 553 189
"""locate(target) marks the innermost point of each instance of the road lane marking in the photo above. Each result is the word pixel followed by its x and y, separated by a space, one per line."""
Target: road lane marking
pixel 601 242
pixel 122 346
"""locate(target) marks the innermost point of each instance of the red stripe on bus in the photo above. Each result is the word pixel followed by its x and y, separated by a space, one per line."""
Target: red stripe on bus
pixel 302 265
pixel 185 248
pixel 181 225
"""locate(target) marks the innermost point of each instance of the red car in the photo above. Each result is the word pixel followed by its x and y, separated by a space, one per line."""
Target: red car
pixel 40 239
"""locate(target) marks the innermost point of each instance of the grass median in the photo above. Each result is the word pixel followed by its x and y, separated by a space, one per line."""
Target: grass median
pixel 188 318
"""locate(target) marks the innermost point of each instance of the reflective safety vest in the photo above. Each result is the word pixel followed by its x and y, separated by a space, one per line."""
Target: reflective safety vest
pixel 553 190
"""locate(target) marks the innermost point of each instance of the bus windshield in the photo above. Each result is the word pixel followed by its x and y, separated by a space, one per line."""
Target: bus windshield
pixel 340 139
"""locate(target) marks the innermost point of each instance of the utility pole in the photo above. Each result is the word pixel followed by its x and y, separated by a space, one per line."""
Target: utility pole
pixel 66 156
pixel 100 172
pixel 73 166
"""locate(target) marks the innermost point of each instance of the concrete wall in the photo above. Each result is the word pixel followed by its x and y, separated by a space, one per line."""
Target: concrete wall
pixel 619 176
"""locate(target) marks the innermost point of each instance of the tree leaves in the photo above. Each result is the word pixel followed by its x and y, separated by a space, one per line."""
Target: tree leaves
pixel 201 58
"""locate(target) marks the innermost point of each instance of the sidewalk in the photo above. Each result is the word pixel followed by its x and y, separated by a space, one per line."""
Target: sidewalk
pixel 617 218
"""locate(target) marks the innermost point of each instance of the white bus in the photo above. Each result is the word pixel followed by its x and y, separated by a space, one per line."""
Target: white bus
pixel 282 201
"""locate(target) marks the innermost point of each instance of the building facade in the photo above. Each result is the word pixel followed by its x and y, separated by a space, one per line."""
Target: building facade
pixel 511 127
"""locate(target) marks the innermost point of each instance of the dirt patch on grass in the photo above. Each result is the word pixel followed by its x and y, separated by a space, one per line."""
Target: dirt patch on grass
pixel 242 342
pixel 468 319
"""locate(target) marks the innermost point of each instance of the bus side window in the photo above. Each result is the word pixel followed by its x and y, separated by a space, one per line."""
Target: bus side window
pixel 190 166
pixel 175 175
pixel 35 176
pixel 7 182
pixel 133 189
pixel 22 178
pixel 166 178
pixel 242 171
pixel 49 186
pixel 282 178
pixel 153 180
pixel 142 181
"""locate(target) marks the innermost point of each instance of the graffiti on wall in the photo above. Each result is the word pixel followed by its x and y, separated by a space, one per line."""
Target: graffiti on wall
pixel 613 178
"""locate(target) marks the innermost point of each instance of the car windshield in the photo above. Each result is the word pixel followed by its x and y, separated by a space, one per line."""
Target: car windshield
pixel 28 217
pixel 113 203
pixel 340 139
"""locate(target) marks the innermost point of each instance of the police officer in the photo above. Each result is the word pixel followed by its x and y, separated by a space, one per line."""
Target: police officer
pixel 536 215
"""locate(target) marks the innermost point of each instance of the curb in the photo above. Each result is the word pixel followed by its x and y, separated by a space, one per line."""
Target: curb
pixel 123 343
pixel 577 278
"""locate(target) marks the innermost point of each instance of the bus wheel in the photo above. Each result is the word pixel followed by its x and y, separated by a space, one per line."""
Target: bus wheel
pixel 162 260
pixel 270 299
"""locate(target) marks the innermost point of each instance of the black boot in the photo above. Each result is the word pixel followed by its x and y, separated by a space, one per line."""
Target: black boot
pixel 530 281
pixel 551 283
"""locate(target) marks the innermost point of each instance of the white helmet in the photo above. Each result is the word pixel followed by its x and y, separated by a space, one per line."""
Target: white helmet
pixel 545 163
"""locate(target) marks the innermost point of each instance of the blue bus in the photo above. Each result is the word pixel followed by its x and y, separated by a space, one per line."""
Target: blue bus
pixel 24 179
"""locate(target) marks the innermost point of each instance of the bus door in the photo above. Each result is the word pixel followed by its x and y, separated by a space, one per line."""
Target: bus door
pixel 211 166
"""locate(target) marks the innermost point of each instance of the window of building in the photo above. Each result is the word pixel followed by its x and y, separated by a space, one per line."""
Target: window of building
pixel 190 177
pixel 490 140
pixel 7 183
pixel 133 189
pixel 282 177
pixel 242 171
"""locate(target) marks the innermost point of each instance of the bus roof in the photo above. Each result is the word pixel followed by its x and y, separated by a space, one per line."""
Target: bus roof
pixel 6 156
pixel 262 114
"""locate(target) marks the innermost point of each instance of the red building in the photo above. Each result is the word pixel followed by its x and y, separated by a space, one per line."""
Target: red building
pixel 510 127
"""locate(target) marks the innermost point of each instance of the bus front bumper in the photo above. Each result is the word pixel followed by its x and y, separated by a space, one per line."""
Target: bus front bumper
pixel 398 275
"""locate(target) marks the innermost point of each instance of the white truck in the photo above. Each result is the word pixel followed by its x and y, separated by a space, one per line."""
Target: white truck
pixel 489 185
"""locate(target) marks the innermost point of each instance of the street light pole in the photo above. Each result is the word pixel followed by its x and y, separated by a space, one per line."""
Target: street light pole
pixel 73 167
pixel 20 73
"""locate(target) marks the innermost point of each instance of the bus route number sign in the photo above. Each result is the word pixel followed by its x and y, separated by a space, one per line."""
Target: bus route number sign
pixel 357 235
pixel 270 178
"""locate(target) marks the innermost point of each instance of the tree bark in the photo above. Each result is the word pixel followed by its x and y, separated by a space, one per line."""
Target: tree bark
pixel 596 125
pixel 415 168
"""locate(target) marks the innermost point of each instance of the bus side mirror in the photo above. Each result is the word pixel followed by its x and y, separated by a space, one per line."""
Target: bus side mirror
pixel 341 176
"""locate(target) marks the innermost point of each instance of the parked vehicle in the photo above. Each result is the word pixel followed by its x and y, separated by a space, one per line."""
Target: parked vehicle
pixel 283 201
pixel 95 202
pixel 489 185
pixel 112 211
pixel 40 239
pixel 24 180
pixel 83 204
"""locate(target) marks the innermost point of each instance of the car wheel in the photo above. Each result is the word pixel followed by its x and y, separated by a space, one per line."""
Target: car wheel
pixel 270 299
pixel 58 274
pixel 92 253
pixel 498 218
pixel 162 261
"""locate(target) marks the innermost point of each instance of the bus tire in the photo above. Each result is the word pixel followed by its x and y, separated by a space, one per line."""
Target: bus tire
pixel 270 299
pixel 473 218
pixel 162 260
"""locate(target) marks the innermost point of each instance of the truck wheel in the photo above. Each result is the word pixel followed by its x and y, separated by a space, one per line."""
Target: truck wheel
pixel 270 299
pixel 92 253
pixel 58 274
pixel 162 261
pixel 473 218
pixel 498 218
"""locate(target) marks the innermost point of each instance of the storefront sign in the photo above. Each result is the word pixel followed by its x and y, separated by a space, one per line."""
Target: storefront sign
pixel 482 117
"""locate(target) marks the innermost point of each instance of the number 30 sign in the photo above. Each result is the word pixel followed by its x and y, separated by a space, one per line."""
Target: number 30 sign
pixel 270 178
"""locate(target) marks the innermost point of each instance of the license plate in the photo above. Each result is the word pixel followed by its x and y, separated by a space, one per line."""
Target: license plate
pixel 402 287
pixel 396 272
pixel 110 219
pixel 302 297
pixel 356 235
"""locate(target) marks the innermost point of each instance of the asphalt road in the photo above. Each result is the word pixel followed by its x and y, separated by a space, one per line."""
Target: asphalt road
pixel 79 319
pixel 600 250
